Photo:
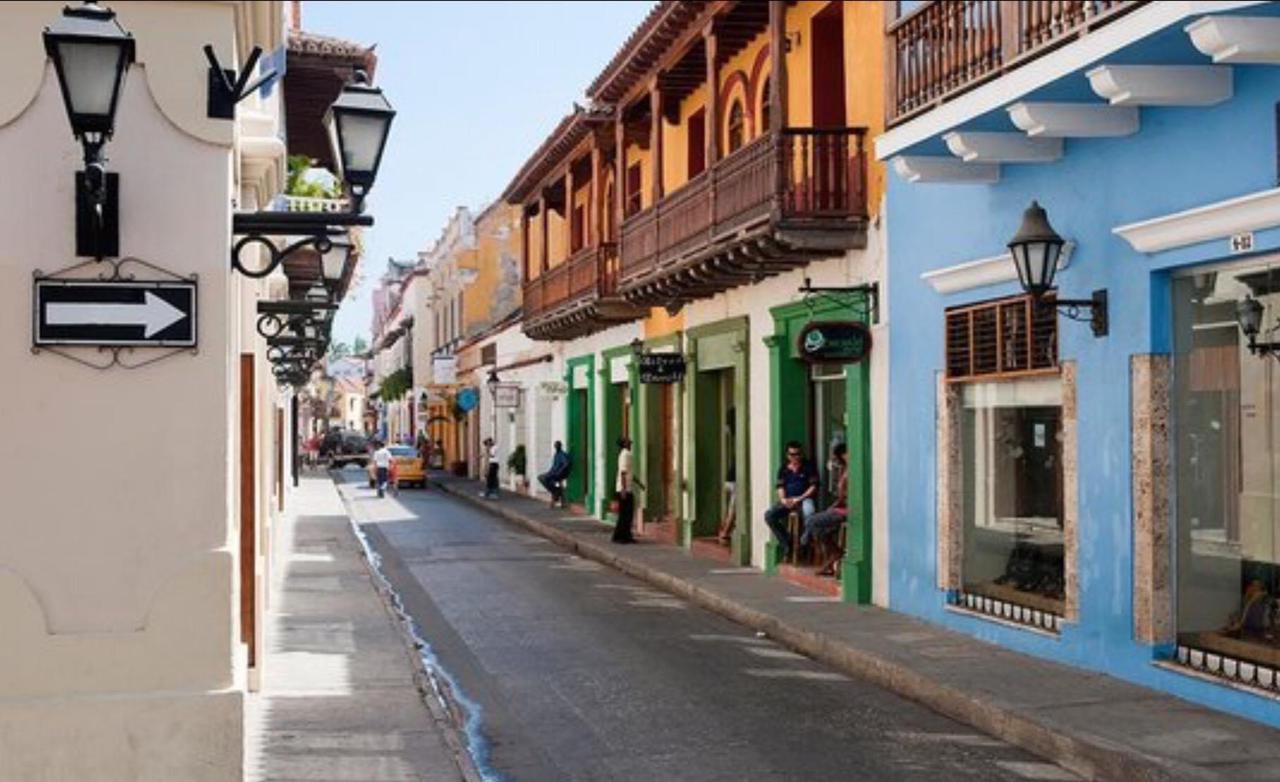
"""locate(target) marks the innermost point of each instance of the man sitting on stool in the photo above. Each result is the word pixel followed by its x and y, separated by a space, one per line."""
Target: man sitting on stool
pixel 553 479
pixel 797 484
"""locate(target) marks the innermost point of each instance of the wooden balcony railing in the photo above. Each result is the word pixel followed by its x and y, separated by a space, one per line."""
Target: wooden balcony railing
pixel 948 46
pixel 803 174
pixel 591 271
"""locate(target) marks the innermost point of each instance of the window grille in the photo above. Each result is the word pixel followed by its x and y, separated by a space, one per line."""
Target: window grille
pixel 1003 338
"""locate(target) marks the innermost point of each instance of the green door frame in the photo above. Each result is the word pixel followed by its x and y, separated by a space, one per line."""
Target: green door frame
pixel 641 431
pixel 610 428
pixel 789 380
pixel 581 461
pixel 704 345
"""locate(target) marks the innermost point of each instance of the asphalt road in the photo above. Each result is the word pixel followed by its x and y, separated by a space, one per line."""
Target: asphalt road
pixel 578 672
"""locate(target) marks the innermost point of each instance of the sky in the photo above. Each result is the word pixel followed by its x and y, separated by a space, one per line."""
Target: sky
pixel 477 86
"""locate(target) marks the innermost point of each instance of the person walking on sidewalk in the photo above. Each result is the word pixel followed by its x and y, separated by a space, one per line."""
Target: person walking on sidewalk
pixel 553 479
pixel 382 467
pixel 491 473
pixel 626 497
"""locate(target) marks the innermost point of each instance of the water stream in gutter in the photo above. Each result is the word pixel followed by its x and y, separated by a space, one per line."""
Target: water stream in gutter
pixel 464 711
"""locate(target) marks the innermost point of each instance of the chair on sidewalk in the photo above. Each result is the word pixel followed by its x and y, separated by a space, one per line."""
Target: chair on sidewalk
pixel 794 529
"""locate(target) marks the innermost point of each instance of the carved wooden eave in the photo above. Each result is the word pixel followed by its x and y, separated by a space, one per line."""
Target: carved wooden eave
pixel 579 318
pixel 750 255
pixel 554 152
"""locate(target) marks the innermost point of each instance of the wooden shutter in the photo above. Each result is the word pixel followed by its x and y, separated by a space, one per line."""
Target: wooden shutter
pixel 1000 339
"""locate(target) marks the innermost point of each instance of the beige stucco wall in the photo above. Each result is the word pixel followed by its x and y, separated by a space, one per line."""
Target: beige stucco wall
pixel 117 579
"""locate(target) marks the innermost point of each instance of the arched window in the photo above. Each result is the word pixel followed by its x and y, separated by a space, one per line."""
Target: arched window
pixel 735 127
pixel 764 106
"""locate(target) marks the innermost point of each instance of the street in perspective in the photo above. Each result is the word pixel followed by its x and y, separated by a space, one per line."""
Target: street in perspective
pixel 654 390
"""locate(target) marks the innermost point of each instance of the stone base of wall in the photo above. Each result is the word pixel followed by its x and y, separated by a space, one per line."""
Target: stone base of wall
pixel 195 737
pixel 1150 379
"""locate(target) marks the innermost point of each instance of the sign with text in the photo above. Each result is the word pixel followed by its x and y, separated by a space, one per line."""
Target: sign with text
pixel 661 368
pixel 444 370
pixel 506 396
pixel 1241 243
pixel 128 313
pixel 834 342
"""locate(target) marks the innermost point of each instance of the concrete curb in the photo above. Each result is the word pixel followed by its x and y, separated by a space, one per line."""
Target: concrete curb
pixel 1092 757
pixel 444 715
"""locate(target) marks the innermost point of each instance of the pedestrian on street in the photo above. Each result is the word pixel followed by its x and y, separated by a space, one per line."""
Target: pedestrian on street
pixel 797 483
pixel 424 449
pixel 491 474
pixel 382 467
pixel 626 497
pixel 553 479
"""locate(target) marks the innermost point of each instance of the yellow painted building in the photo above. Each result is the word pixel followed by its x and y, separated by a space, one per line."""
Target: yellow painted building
pixel 470 281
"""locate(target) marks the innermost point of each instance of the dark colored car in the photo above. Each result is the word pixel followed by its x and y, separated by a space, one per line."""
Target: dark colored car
pixel 342 447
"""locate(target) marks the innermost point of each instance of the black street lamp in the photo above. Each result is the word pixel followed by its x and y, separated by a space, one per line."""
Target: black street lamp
pixel 91 54
pixel 359 122
pixel 1249 312
pixel 1036 249
pixel 334 261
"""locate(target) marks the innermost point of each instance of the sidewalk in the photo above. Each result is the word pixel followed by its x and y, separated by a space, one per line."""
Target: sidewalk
pixel 339 699
pixel 1094 725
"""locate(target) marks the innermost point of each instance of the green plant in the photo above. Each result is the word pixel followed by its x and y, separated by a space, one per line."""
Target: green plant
pixel 300 185
pixel 516 462
pixel 396 384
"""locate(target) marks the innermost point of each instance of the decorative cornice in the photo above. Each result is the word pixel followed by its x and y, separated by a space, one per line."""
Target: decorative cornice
pixel 1252 212
pixel 983 272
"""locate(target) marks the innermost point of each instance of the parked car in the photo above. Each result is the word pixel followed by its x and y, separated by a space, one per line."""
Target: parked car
pixel 408 467
pixel 342 447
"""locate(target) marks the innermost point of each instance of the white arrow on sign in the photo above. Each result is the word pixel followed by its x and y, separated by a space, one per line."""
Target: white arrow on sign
pixel 154 314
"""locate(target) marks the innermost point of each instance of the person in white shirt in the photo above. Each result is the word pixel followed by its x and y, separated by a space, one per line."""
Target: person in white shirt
pixel 491 474
pixel 382 465
pixel 626 497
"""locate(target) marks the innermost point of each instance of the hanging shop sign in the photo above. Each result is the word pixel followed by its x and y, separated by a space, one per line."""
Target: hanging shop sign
pixel 834 342
pixel 661 368
pixel 130 313
pixel 506 396
pixel 444 369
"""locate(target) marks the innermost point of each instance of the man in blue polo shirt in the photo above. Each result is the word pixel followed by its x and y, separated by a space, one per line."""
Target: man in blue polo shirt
pixel 797 484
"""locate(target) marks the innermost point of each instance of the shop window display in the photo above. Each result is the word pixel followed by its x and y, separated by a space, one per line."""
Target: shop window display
pixel 1226 414
pixel 1011 441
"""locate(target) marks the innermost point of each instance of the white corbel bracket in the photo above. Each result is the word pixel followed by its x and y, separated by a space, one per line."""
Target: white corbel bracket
pixel 1252 40
pixel 1161 85
pixel 1074 120
pixel 983 147
pixel 948 170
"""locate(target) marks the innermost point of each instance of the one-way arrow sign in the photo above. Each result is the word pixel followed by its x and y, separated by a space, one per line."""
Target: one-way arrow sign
pixel 151 313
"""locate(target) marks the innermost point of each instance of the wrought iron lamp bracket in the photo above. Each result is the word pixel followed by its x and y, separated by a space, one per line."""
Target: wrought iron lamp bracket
pixel 863 298
pixel 316 230
pixel 1092 310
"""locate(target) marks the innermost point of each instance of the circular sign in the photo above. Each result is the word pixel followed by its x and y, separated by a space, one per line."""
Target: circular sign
pixel 834 342
pixel 467 399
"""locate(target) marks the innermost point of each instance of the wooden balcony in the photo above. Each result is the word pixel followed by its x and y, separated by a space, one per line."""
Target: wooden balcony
pixel 773 205
pixel 576 297
pixel 947 47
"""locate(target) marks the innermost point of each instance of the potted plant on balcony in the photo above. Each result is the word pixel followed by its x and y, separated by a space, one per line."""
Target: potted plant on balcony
pixel 516 464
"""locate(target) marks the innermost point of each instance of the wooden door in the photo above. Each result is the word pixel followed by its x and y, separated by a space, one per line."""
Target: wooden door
pixel 697 142
pixel 827 67
pixel 248 508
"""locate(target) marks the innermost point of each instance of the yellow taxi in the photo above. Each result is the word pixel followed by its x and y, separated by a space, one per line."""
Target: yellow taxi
pixel 408 467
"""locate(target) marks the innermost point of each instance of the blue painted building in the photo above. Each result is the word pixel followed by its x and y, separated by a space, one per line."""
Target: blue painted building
pixel 1111 502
